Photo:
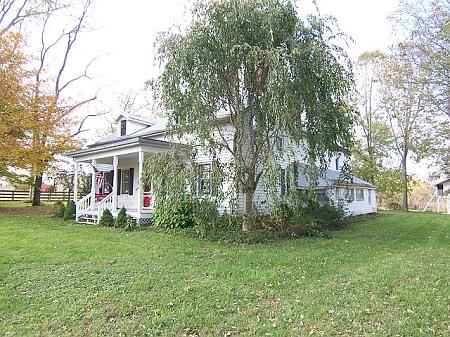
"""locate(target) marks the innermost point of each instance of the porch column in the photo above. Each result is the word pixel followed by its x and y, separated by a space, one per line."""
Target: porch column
pixel 139 191
pixel 93 162
pixel 114 187
pixel 75 181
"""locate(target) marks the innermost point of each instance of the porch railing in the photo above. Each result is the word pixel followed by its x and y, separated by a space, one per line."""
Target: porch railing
pixel 105 203
pixel 82 205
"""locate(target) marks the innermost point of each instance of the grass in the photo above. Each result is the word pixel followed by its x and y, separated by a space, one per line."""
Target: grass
pixel 13 208
pixel 386 276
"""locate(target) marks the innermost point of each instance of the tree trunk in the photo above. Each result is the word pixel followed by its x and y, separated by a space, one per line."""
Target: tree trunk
pixel 37 191
pixel 248 211
pixel 405 185
pixel 372 164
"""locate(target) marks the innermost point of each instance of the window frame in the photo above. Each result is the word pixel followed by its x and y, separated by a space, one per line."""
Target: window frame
pixel 347 194
pixel 279 143
pixel 124 183
pixel 123 127
pixel 359 194
pixel 322 197
pixel 204 182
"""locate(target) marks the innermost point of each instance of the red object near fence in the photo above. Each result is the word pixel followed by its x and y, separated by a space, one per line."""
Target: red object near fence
pixel 46 188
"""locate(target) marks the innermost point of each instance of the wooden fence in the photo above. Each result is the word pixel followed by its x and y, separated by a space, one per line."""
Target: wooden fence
pixel 17 195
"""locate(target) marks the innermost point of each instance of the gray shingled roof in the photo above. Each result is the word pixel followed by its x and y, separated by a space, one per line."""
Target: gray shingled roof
pixel 442 181
pixel 159 125
pixel 123 142
pixel 334 178
pixel 135 118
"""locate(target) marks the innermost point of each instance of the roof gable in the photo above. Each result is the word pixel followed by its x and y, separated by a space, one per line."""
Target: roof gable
pixel 134 118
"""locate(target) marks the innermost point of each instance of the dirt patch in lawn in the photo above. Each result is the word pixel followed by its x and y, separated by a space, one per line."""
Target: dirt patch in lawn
pixel 26 210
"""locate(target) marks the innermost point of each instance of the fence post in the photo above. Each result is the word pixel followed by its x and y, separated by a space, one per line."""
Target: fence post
pixel 12 195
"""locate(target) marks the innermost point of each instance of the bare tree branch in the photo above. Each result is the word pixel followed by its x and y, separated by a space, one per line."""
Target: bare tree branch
pixel 13 13
pixel 71 39
pixel 17 17
pixel 84 75
pixel 80 128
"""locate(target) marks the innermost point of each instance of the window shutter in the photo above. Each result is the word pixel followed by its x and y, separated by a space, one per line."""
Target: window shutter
pixel 111 180
pixel 282 182
pixel 287 181
pixel 295 175
pixel 119 181
pixel 130 188
pixel 195 182
pixel 213 179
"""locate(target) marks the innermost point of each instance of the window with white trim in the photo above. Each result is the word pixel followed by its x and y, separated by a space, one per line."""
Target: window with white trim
pixel 123 127
pixel 369 195
pixel 125 182
pixel 347 194
pixel 204 179
pixel 279 144
pixel 359 194
pixel 322 197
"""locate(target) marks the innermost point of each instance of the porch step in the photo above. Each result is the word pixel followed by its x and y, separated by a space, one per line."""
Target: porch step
pixel 88 218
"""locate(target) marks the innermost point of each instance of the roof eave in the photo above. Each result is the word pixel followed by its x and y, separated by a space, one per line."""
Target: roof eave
pixel 118 145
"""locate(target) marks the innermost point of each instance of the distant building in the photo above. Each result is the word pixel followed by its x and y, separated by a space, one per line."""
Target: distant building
pixel 442 195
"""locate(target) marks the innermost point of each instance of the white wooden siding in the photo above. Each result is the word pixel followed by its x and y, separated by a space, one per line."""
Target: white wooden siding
pixel 132 127
pixel 355 207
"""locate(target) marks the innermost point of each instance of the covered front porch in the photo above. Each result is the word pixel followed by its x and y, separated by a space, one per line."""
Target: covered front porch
pixel 116 182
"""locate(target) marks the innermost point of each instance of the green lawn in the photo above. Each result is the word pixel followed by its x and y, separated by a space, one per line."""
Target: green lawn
pixel 387 276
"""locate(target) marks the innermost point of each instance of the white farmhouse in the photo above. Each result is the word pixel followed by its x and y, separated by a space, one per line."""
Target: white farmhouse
pixel 117 162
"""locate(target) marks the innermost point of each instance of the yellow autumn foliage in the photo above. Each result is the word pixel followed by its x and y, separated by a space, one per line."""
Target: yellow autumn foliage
pixel 33 128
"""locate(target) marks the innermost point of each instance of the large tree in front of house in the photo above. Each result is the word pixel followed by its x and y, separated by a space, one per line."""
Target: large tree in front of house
pixel 266 70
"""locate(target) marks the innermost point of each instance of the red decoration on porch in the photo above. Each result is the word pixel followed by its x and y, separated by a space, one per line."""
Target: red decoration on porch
pixel 100 196
pixel 147 201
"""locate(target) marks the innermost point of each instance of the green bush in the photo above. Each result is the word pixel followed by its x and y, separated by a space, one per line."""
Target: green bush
pixel 205 216
pixel 59 210
pixel 297 216
pixel 330 216
pixel 281 216
pixel 69 212
pixel 175 214
pixel 317 220
pixel 131 223
pixel 121 220
pixel 107 219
